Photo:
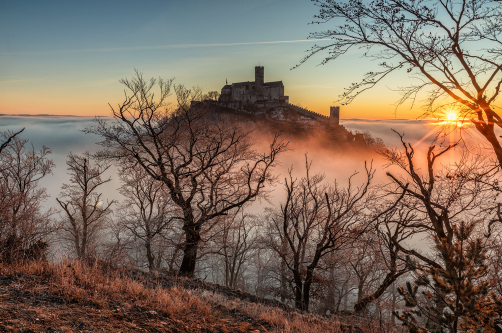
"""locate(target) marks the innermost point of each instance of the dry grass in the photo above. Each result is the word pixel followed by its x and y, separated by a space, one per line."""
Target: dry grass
pixel 74 297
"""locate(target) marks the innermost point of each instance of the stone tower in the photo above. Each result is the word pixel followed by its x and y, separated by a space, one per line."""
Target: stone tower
pixel 334 115
pixel 259 80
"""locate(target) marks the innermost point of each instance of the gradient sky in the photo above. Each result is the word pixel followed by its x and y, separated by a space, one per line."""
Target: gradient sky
pixel 66 57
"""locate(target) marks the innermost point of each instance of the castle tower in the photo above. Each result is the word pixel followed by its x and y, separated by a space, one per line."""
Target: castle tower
pixel 334 116
pixel 259 80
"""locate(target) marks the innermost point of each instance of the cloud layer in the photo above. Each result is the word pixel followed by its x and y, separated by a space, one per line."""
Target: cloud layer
pixel 64 135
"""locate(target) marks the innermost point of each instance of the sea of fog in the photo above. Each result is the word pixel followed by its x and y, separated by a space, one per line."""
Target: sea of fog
pixel 63 134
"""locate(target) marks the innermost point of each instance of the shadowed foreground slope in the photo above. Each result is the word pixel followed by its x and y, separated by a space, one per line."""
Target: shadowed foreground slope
pixel 72 297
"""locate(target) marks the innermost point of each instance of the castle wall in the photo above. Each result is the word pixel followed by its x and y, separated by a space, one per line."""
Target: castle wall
pixel 308 113
pixel 244 93
pixel 226 95
pixel 271 93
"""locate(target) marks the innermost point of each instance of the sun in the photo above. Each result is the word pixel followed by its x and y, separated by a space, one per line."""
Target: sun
pixel 450 118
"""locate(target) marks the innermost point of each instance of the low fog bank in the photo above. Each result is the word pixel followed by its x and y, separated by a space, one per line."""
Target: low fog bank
pixel 413 129
pixel 63 134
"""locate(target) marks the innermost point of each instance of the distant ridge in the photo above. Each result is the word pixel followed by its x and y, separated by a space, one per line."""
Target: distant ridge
pixel 43 115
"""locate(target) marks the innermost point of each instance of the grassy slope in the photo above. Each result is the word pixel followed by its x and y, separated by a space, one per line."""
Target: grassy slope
pixel 71 297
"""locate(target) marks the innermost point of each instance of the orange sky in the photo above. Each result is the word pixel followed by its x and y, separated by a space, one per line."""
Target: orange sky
pixel 90 97
pixel 66 58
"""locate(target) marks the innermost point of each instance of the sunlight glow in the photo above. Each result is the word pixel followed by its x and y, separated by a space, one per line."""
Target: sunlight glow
pixel 451 118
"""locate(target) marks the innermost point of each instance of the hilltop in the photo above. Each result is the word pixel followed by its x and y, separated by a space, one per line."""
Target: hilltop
pixel 294 123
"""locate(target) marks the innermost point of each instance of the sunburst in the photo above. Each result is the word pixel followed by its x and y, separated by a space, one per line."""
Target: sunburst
pixel 449 121
pixel 451 118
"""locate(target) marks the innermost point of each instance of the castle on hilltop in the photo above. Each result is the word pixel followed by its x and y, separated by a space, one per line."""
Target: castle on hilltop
pixel 259 94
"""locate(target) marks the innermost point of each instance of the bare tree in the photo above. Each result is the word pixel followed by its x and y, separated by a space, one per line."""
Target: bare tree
pixel 146 212
pixel 235 241
pixel 336 282
pixel 84 213
pixel 23 224
pixel 441 198
pixel 264 264
pixel 454 206
pixel 209 168
pixel 365 262
pixel 393 229
pixel 8 137
pixel 452 47
pixel 317 219
pixel 211 96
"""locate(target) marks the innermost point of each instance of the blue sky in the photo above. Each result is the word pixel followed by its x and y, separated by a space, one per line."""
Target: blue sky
pixel 66 57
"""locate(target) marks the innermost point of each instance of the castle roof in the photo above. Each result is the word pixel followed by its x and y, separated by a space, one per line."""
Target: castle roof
pixel 238 84
pixel 274 84
pixel 252 83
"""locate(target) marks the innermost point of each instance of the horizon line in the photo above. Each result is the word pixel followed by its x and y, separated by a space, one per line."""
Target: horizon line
pixel 161 47
pixel 83 116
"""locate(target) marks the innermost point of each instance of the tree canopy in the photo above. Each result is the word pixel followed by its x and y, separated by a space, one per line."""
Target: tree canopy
pixel 452 49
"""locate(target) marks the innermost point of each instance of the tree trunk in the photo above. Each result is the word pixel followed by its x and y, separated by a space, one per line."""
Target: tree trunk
pixel 389 280
pixel 149 256
pixel 492 138
pixel 298 297
pixel 306 288
pixel 298 290
pixel 158 259
pixel 284 248
pixel 393 304
pixel 360 287
pixel 489 132
pixel 306 295
pixel 192 234
pixel 172 261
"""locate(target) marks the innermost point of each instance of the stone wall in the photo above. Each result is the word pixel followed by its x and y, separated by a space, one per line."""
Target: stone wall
pixel 308 113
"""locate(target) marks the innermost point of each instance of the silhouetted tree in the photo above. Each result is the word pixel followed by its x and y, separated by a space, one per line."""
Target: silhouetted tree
pixel 365 262
pixel 452 47
pixel 448 204
pixel 209 168
pixel 442 198
pixel 316 219
pixel 7 138
pixel 336 281
pixel 211 95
